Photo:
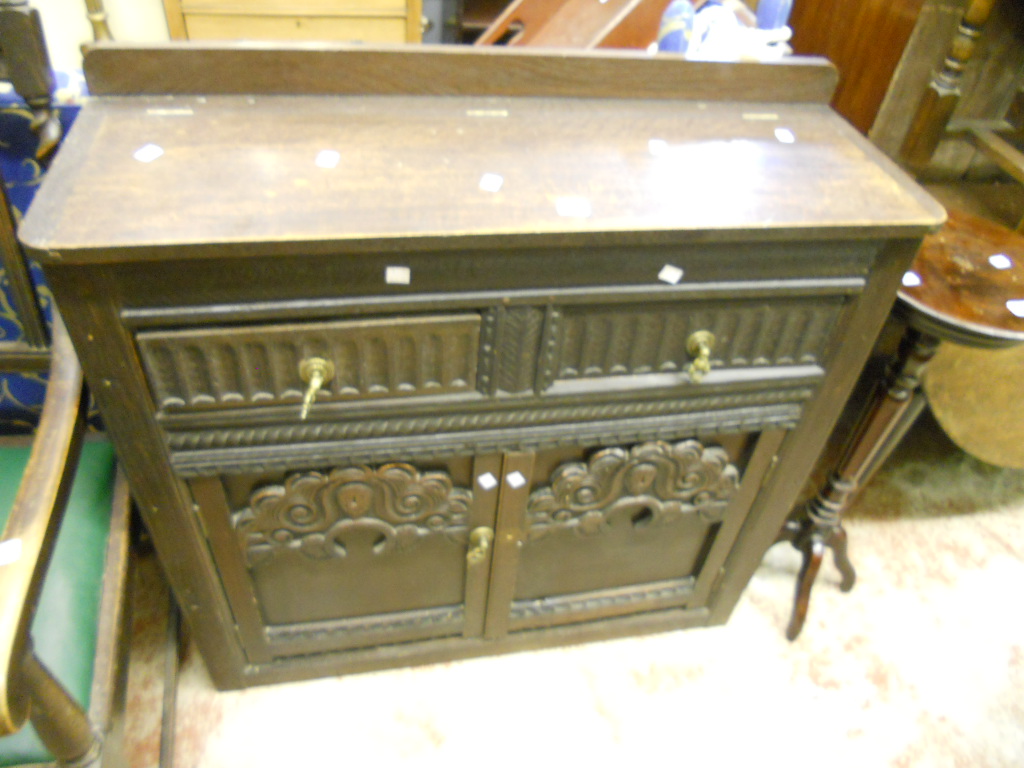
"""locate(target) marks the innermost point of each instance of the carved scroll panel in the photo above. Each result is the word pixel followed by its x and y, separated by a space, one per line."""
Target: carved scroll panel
pixel 317 514
pixel 654 483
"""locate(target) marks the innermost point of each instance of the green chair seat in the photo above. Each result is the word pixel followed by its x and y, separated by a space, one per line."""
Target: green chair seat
pixel 64 628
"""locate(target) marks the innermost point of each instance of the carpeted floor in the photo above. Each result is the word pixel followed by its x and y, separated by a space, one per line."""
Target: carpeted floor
pixel 921 665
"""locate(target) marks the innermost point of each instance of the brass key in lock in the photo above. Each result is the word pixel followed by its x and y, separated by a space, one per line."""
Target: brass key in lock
pixel 314 372
pixel 479 545
pixel 699 346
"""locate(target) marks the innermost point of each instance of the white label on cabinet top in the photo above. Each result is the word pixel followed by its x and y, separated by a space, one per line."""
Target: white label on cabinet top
pixel 397 275
pixel 147 153
pixel 574 207
pixel 177 112
pixel 670 274
pixel 10 551
pixel 1000 261
pixel 515 479
pixel 327 158
pixel 486 113
pixel 657 147
pixel 491 182
pixel 487 481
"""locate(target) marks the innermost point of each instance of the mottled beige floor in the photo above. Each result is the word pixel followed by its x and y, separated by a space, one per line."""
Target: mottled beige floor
pixel 921 665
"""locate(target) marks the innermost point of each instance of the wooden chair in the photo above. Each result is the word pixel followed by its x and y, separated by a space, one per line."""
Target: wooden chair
pixel 63 562
pixel 577 24
pixel 30 353
pixel 25 62
pixel 933 120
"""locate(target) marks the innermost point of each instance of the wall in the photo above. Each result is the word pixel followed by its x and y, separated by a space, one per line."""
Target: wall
pixel 66 26
pixel 864 39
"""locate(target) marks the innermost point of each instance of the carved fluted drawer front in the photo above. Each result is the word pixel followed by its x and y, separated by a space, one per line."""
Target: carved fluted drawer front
pixel 260 364
pixel 522 363
pixel 646 344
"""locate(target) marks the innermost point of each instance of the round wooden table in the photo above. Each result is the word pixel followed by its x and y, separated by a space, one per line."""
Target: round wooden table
pixel 965 286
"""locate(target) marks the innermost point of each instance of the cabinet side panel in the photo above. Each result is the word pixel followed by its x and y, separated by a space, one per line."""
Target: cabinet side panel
pixel 88 299
pixel 801 448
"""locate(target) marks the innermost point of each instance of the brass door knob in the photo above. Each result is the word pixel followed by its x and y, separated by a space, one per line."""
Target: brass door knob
pixel 699 346
pixel 314 372
pixel 479 545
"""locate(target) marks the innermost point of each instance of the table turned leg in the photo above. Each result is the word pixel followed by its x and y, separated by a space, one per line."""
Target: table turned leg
pixel 820 529
pixel 893 408
pixel 841 558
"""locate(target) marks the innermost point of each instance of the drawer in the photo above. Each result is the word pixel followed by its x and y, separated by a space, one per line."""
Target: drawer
pixel 593 348
pixel 485 372
pixel 258 365
pixel 568 349
pixel 297 8
pixel 367 29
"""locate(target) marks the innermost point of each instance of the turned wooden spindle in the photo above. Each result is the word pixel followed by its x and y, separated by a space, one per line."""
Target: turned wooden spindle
pixel 943 93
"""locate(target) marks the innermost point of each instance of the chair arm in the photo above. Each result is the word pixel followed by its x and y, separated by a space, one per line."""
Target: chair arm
pixel 27 540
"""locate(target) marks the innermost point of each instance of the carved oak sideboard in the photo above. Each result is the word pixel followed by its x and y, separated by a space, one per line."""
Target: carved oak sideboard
pixel 424 353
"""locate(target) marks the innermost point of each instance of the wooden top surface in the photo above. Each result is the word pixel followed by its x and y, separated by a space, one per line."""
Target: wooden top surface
pixel 268 173
pixel 969 276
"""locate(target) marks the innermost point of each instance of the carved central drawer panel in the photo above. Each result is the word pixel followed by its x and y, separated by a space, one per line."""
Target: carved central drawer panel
pixel 259 365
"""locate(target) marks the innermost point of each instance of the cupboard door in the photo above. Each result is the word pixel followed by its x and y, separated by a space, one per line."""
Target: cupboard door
pixel 353 556
pixel 621 530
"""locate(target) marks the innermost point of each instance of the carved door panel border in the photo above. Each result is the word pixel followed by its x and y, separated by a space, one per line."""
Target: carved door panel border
pixel 494 518
pixel 293 516
pixel 516 473
pixel 659 480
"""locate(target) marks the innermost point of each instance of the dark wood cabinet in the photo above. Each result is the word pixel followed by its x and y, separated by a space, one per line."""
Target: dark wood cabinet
pixel 571 358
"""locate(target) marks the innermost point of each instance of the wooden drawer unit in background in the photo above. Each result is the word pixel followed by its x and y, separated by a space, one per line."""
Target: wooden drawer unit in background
pixel 367 21
pixel 570 336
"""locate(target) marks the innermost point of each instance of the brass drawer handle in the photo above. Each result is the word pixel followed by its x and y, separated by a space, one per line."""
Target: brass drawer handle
pixel 479 545
pixel 699 346
pixel 314 372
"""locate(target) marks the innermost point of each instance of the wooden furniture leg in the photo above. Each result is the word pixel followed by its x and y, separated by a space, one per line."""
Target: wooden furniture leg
pixel 63 726
pixel 98 19
pixel 892 410
pixel 172 664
